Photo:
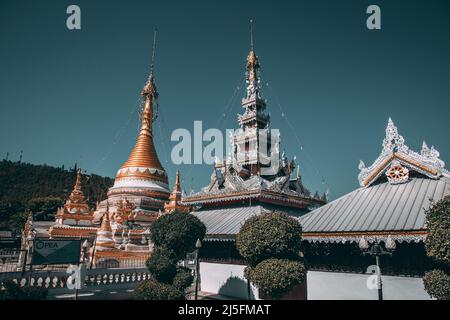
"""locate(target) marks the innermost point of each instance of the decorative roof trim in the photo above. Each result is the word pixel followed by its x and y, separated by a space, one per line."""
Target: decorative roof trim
pixel 260 194
pixel 426 162
pixel 370 236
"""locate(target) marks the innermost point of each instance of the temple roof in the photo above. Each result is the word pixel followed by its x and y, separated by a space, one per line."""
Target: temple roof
pixel 396 190
pixel 382 209
pixel 230 187
pixel 225 223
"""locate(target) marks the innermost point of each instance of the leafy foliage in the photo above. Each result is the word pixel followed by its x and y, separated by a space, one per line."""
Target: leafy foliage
pixel 161 265
pixel 183 279
pixel 271 235
pixel 155 290
pixel 271 245
pixel 276 277
pixel 177 231
pixel 438 224
pixel 12 291
pixel 437 284
pixel 173 236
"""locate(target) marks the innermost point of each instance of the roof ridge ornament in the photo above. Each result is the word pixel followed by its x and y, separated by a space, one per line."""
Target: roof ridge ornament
pixel 393 142
pixel 397 160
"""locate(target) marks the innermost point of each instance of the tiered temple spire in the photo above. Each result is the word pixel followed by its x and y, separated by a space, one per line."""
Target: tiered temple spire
pixel 174 204
pixel 77 195
pixel 104 239
pixel 76 210
pixel 252 144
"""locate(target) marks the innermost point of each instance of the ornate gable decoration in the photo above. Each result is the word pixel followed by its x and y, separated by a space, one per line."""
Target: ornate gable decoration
pixel 396 161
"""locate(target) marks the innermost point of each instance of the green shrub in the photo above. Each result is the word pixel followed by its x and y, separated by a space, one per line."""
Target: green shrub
pixel 177 231
pixel 276 277
pixel 12 291
pixel 155 290
pixel 271 235
pixel 437 284
pixel 161 265
pixel 438 224
pixel 183 279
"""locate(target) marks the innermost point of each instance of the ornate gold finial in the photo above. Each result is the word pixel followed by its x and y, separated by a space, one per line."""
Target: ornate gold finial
pixel 252 59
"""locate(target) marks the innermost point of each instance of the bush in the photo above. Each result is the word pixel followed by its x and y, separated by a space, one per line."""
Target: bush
pixel 177 231
pixel 437 284
pixel 161 265
pixel 183 279
pixel 276 277
pixel 271 235
pixel 155 290
pixel 12 291
pixel 438 224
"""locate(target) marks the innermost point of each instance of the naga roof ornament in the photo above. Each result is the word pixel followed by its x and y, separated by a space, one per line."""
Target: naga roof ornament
pixel 396 161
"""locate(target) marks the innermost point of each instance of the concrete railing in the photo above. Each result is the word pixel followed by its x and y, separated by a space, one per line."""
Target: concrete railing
pixel 95 278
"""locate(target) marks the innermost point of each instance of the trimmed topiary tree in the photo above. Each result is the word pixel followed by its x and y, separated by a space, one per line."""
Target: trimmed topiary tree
pixel 438 224
pixel 437 245
pixel 437 284
pixel 173 235
pixel 271 235
pixel 183 279
pixel 271 245
pixel 276 277
pixel 162 265
pixel 155 290
pixel 178 232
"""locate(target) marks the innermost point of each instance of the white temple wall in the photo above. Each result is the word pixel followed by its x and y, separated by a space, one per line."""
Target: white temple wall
pixel 352 286
pixel 228 280
pixel 225 279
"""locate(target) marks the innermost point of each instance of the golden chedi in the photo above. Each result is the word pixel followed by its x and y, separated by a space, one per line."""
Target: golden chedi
pixel 141 181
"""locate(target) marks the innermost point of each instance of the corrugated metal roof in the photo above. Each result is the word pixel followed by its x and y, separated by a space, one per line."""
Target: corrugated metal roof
pixel 226 221
pixel 380 207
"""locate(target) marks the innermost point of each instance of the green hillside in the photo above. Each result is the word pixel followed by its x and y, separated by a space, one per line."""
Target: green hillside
pixel 42 189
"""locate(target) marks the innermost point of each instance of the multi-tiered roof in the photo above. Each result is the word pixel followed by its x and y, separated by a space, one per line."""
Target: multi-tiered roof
pixel 256 176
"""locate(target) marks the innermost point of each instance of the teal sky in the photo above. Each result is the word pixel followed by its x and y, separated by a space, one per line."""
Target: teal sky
pixel 71 96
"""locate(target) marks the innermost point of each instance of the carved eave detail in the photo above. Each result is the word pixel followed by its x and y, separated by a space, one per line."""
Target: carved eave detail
pixel 396 153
